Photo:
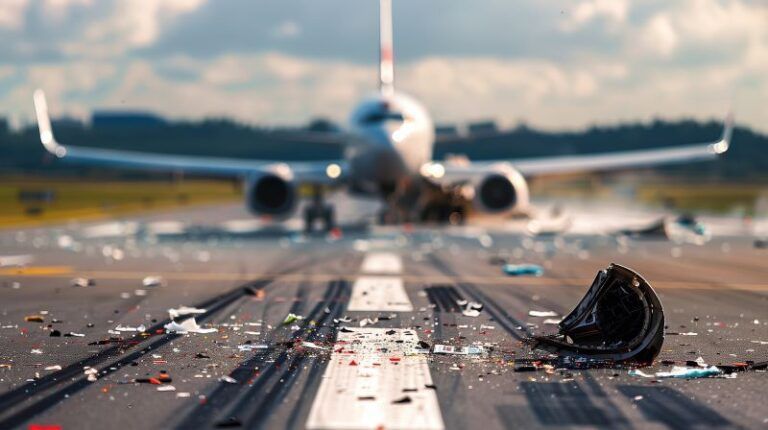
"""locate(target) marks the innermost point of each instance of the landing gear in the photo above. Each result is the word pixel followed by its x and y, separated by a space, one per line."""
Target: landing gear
pixel 319 210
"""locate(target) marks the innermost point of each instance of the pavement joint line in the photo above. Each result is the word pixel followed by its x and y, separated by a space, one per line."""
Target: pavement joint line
pixel 324 277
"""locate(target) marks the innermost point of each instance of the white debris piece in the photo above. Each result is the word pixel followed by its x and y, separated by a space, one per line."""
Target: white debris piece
pixel 228 379
pixel 542 314
pixel 54 367
pixel 251 346
pixel 188 326
pixel 471 313
pixel 37 351
pixel 153 281
pixel 82 282
pixel 90 373
pixel 455 350
pixel 312 345
pixel 185 310
pixel 166 388
pixel 122 328
pixel 552 321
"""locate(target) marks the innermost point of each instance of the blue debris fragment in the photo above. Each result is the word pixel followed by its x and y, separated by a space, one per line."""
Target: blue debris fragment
pixel 523 269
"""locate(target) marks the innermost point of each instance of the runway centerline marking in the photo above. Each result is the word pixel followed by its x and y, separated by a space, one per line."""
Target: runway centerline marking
pixel 379 293
pixel 385 263
pixel 365 388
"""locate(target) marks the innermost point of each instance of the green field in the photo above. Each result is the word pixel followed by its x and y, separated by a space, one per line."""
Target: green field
pixel 23 200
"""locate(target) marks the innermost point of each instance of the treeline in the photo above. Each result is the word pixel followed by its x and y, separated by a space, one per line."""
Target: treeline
pixel 21 152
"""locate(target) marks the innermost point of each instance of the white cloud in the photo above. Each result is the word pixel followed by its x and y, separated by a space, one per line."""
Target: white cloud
pixel 658 37
pixel 12 13
pixel 614 12
pixel 130 24
pixel 716 26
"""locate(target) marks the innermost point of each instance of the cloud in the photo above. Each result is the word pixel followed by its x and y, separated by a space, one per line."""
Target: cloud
pixel 12 13
pixel 284 62
pixel 613 12
pixel 714 26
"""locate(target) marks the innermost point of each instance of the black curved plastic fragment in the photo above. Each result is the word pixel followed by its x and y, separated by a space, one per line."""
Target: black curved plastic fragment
pixel 619 319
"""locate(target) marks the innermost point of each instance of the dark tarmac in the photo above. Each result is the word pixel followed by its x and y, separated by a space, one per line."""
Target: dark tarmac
pixel 249 278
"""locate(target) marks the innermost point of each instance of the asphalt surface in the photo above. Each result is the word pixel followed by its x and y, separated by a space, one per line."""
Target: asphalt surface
pixel 249 277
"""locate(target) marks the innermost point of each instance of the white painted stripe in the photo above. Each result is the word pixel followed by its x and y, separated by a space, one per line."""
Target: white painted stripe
pixel 382 262
pixel 379 293
pixel 361 396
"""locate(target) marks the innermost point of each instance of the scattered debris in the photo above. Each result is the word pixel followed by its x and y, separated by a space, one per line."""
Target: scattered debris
pixel 228 379
pixel 368 321
pixel 187 326
pixel 552 321
pixel 292 318
pixel 465 350
pixel 36 351
pixel 122 328
pixel 166 388
pixel 619 319
pixel 53 368
pixel 185 310
pixel 251 346
pixel 82 282
pixel 681 372
pixel 471 313
pixel 34 318
pixel 153 281
pixel 542 314
pixel 523 270
pixel 90 373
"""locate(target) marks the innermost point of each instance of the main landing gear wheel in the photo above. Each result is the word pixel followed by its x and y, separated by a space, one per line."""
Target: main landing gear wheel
pixel 318 210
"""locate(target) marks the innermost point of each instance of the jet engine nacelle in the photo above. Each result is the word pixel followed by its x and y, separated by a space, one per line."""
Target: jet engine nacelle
pixel 503 191
pixel 273 193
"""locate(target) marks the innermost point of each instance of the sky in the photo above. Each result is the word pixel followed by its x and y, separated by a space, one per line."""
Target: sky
pixel 553 64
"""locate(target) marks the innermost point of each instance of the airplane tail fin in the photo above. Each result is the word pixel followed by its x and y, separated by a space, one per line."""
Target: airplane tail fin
pixel 386 58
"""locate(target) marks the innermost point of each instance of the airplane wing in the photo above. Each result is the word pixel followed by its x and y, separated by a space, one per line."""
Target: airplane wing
pixel 541 166
pixel 331 171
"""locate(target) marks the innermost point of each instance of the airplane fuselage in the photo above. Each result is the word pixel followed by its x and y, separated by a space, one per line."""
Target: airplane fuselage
pixel 393 136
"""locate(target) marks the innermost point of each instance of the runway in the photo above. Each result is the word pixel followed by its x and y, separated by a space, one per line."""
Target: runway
pixel 370 299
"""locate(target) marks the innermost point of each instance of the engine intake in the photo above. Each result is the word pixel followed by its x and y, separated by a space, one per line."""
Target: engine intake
pixel 504 190
pixel 271 194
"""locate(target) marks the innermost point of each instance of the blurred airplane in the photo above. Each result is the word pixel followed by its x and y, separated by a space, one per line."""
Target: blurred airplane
pixel 388 153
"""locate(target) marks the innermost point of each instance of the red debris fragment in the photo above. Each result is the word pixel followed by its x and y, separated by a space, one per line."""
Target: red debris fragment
pixel 353 363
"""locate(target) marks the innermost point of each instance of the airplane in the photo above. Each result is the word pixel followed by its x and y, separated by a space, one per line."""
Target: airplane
pixel 388 153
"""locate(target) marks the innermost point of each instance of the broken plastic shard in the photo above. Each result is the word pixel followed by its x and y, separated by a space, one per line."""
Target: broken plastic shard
pixel 523 270
pixel 292 318
pixel 122 328
pixel 83 282
pixel 152 281
pixel 471 313
pixel 187 326
pixel 619 319
pixel 690 373
pixel 184 310
pixel 542 313
pixel 228 379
